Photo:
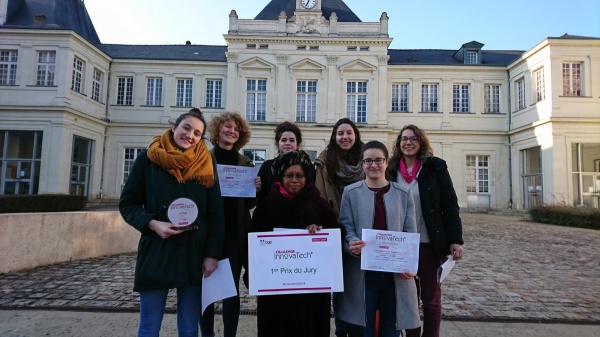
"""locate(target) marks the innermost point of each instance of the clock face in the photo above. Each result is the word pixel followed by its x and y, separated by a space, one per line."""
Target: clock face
pixel 309 3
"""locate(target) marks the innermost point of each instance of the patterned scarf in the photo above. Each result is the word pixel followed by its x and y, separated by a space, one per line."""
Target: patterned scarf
pixel 349 174
pixel 195 163
pixel 408 177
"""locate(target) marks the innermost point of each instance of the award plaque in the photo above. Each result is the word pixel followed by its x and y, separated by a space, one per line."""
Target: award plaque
pixel 182 213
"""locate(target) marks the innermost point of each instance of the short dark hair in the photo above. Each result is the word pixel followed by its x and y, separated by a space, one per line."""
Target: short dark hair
pixel 288 126
pixel 375 144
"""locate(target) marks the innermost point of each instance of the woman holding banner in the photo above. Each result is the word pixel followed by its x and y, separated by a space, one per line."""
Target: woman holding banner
pixel 376 203
pixel 294 203
pixel 176 165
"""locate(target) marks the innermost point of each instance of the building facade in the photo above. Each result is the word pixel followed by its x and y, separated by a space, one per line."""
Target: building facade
pixel 517 128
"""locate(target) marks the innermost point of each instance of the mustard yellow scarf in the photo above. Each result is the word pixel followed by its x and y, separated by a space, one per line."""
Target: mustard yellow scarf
pixel 194 163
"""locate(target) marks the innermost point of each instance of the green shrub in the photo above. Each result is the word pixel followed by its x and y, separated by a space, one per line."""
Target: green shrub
pixel 566 216
pixel 41 203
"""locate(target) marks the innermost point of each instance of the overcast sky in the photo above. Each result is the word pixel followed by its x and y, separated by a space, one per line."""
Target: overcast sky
pixel 433 24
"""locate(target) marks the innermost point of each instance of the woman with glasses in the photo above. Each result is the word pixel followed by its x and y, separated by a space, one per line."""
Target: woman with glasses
pixel 376 203
pixel 413 166
pixel 294 202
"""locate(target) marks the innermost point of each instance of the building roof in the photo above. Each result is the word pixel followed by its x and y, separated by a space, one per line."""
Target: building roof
pixel 59 14
pixel 275 7
pixel 446 57
pixel 187 52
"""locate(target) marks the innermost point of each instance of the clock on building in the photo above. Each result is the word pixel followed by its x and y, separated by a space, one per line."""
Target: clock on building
pixel 308 4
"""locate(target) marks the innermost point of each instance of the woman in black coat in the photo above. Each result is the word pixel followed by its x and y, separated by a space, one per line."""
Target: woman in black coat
pixel 295 203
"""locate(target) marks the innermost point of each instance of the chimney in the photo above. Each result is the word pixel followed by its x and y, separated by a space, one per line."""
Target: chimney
pixel 39 20
pixel 188 43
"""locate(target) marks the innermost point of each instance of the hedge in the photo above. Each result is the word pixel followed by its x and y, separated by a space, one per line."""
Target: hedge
pixel 566 216
pixel 41 203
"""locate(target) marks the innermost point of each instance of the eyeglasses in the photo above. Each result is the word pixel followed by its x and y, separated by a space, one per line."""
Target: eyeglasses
pixel 369 161
pixel 290 176
pixel 413 139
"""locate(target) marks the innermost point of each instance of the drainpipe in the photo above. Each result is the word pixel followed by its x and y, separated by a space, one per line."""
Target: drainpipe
pixel 107 120
pixel 510 173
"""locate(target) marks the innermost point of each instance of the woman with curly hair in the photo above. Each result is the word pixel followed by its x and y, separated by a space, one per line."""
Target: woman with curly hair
pixel 229 132
pixel 413 165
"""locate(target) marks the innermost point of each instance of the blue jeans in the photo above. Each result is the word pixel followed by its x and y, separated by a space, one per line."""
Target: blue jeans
pixel 380 293
pixel 152 309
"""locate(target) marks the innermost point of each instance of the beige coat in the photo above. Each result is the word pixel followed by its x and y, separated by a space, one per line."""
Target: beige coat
pixel 326 186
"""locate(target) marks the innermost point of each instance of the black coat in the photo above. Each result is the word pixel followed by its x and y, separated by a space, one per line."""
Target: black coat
pixel 298 315
pixel 439 204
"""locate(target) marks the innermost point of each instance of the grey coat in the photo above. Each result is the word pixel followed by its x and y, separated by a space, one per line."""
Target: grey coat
pixel 357 212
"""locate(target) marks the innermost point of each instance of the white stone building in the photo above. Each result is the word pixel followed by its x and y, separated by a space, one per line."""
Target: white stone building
pixel 517 128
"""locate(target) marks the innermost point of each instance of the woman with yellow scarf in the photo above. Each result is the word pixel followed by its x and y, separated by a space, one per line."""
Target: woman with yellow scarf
pixel 176 165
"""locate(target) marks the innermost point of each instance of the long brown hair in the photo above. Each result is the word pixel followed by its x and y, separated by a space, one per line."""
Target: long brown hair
pixel 335 154
pixel 425 150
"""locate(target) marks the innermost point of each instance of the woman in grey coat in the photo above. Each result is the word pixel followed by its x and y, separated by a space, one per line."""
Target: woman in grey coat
pixel 376 203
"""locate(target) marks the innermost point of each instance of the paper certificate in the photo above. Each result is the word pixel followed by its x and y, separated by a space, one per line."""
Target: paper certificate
pixel 219 285
pixel 390 251
pixel 293 262
pixel 237 181
pixel 445 269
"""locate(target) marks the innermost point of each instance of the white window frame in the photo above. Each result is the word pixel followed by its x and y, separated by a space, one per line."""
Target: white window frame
pixel 306 101
pixel 185 92
pixel 8 67
pixel 77 78
pixel 491 98
pixel 129 156
pixel 520 92
pixel 472 57
pixel 357 101
pixel 97 84
pixel 461 97
pixel 540 85
pixel 125 90
pixel 430 97
pixel 477 178
pixel 254 155
pixel 214 93
pixel 400 97
pixel 572 78
pixel 154 89
pixel 45 68
pixel 256 99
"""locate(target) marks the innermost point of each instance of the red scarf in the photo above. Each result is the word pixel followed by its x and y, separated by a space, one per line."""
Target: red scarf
pixel 283 191
pixel 409 177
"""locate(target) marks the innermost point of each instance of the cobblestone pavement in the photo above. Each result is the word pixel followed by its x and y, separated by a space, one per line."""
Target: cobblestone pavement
pixel 513 270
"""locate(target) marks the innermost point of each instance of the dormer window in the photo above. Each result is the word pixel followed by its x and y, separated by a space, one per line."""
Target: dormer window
pixel 472 57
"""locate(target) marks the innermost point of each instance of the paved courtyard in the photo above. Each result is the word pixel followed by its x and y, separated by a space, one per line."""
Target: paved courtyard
pixel 513 270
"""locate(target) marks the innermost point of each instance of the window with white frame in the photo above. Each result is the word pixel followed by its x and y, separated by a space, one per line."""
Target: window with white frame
pixel 77 78
pixel 8 67
pixel 540 86
pixel 45 68
pixel 184 92
pixel 572 79
pixel 356 101
pixel 81 166
pixel 520 89
pixel 306 101
pixel 429 98
pixel 130 154
pixel 460 97
pixel 256 100
pixel 257 156
pixel 214 93
pixel 400 97
pixel 96 84
pixel 478 174
pixel 472 57
pixel 125 90
pixel 154 86
pixel 491 98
